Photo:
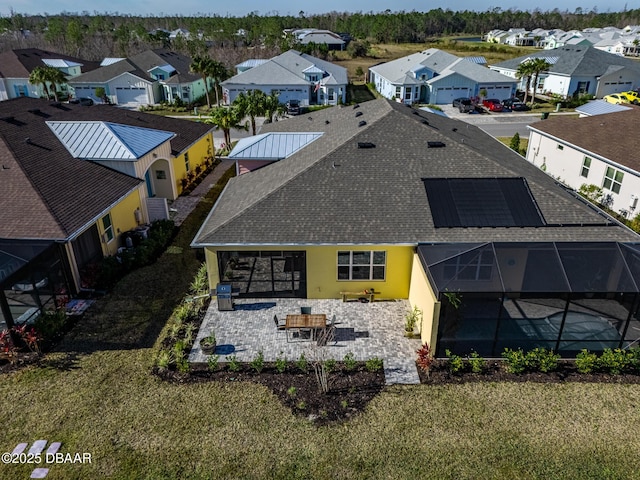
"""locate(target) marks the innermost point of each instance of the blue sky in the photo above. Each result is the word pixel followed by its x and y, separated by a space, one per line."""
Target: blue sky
pixel 283 7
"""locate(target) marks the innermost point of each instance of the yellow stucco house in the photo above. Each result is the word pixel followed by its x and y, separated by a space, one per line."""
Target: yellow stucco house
pixel 80 177
pixel 418 206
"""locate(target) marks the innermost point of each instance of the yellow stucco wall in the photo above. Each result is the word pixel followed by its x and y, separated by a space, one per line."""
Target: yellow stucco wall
pixel 422 296
pixel 322 270
pixel 122 219
pixel 198 152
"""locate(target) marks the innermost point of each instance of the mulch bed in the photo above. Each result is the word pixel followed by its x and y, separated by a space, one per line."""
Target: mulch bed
pixel 496 372
pixel 350 391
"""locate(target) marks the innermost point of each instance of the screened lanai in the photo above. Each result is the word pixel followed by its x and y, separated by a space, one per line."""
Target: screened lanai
pixel 564 296
pixel 32 278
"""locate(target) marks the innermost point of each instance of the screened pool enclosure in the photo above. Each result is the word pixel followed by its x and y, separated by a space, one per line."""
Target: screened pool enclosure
pixel 564 296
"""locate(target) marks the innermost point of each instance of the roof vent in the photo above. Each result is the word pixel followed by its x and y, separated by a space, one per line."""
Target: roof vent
pixel 327 122
pixel 38 112
pixel 362 123
pixel 435 144
pixel 454 129
pixel 310 118
pixel 359 114
pixel 12 120
pixel 366 145
pixel 425 121
pixel 356 106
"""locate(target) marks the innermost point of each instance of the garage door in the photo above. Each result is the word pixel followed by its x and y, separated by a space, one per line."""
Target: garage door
pixel 615 87
pixel 131 95
pixel 501 92
pixel 446 95
pixel 81 92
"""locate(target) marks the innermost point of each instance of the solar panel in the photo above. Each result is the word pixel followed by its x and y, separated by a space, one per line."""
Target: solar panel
pixel 482 202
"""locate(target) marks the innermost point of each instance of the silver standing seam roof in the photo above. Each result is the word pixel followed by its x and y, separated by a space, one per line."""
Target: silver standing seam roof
pixel 106 140
pixel 272 146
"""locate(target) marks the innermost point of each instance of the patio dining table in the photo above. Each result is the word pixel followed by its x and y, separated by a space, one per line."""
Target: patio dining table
pixel 312 322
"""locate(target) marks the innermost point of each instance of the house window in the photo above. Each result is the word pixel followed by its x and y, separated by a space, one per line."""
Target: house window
pixel 583 87
pixel 398 92
pixel 586 165
pixel 612 179
pixel 331 94
pixel 362 265
pixel 469 266
pixel 407 94
pixel 560 147
pixel 186 161
pixel 108 227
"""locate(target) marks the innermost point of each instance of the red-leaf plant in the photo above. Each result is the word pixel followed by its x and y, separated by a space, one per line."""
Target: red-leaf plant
pixel 425 358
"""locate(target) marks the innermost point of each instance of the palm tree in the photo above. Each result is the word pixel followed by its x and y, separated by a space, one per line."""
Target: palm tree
pixel 203 66
pixel 538 65
pixel 251 104
pixel 226 118
pixel 272 106
pixel 219 73
pixel 38 77
pixel 55 77
pixel 525 70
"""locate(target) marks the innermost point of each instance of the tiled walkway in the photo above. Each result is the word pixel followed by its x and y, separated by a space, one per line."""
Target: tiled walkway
pixel 366 329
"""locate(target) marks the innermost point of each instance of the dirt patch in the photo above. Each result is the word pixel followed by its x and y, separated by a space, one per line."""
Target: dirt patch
pixel 350 391
pixel 495 371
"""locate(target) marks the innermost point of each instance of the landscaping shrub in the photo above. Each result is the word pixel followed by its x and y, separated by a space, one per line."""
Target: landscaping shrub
pixel 455 363
pixel 614 361
pixel 542 359
pixel 586 361
pixel 516 360
pixel 477 363
pixel 349 361
pixel 281 363
pixel 425 358
pixel 258 362
pixel 374 364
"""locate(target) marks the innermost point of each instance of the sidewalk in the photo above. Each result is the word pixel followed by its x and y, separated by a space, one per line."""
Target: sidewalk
pixel 182 206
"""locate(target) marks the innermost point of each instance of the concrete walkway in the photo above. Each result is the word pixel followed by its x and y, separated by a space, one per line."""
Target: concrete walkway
pixel 182 206
pixel 367 330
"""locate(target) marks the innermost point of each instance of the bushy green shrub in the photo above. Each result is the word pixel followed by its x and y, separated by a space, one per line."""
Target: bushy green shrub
pixel 586 361
pixel 258 362
pixel 350 361
pixel 542 359
pixel 516 360
pixel 374 364
pixel 455 363
pixel 614 361
pixel 477 363
pixel 50 325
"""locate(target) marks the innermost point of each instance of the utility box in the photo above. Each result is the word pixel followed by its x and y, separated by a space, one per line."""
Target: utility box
pixel 223 293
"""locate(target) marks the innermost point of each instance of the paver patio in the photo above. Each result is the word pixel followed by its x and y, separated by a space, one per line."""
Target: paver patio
pixel 367 330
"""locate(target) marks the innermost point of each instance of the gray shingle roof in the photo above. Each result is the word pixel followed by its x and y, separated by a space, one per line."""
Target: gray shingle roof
pixel 576 60
pixel 333 192
pixel 287 69
pixel 20 62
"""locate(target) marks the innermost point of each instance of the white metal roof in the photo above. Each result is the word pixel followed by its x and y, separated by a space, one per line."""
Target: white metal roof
pixel 59 63
pixel 599 107
pixel 107 141
pixel 272 146
pixel 110 60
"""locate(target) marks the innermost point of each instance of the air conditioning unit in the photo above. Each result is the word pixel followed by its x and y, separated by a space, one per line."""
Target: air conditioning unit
pixel 633 203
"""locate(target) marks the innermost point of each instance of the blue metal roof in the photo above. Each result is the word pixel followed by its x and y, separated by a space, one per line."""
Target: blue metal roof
pixel 105 140
pixel 272 146
pixel 599 107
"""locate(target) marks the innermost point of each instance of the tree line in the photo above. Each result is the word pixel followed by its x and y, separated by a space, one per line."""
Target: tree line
pixel 96 35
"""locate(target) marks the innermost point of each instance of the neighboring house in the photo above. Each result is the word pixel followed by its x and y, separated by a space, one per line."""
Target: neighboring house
pixel 81 176
pixel 306 36
pixel 17 65
pixel 437 77
pixel 294 76
pixel 144 79
pixel 593 151
pixel 426 208
pixel 600 107
pixel 577 70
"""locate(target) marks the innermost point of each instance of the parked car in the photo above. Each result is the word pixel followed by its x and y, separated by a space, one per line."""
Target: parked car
pixel 492 104
pixel 465 105
pixel 293 107
pixel 85 101
pixel 631 96
pixel 515 105
pixel 615 98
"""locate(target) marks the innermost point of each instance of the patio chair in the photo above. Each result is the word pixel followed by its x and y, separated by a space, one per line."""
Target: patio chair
pixel 279 326
pixel 305 310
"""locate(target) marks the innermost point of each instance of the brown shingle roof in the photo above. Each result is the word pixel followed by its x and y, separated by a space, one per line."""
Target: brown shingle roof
pixel 19 63
pixel 613 136
pixel 46 192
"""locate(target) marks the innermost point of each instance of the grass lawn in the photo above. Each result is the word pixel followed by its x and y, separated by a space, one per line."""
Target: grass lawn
pixel 96 395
